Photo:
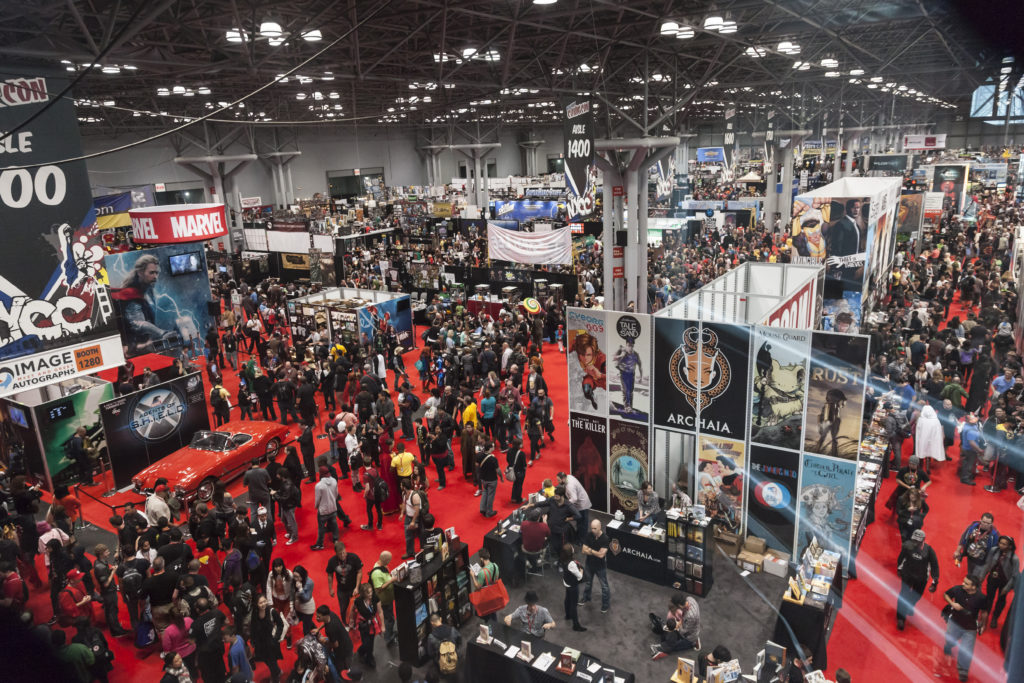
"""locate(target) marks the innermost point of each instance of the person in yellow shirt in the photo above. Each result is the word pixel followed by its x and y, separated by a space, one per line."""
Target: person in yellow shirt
pixel 469 414
pixel 402 461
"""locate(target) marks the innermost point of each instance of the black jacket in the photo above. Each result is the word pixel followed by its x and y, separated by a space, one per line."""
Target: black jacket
pixel 916 561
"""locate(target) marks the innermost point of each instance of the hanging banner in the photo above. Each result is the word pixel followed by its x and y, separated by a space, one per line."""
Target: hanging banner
pixel 951 182
pixel 315 277
pixel 671 407
pixel 178 223
pixel 910 214
pixel 779 386
pixel 375 319
pixel 629 373
pixel 835 394
pixel 52 297
pixel 250 202
pixel 924 142
pixel 295 261
pixel 580 172
pixel 932 207
pixel 628 464
pixel 719 485
pixel 825 510
pixel 112 210
pixel 772 503
pixel 545 248
pixel 711 155
pixel 588 456
pixel 588 365
pixel 523 211
pixel 888 163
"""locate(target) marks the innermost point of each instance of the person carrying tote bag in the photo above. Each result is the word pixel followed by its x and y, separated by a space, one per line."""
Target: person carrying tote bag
pixel 490 595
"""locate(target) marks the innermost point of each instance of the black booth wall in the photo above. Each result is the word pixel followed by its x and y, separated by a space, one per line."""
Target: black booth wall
pixel 523 278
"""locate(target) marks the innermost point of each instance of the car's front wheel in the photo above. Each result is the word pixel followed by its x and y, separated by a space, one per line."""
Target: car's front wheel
pixel 273 446
pixel 205 491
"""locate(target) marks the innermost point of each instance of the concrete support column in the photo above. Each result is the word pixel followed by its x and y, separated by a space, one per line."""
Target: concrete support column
pixel 785 199
pixel 836 166
pixel 291 188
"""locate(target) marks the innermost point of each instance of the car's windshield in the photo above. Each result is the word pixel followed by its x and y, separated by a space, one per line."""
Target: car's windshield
pixel 210 441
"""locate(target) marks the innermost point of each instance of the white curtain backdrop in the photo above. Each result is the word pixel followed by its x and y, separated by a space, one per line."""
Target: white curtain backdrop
pixel 539 248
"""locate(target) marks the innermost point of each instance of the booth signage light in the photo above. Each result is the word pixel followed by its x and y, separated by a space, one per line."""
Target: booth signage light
pixel 178 224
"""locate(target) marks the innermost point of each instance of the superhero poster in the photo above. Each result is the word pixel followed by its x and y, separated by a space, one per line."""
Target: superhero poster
pixel 587 362
pixel 719 480
pixel 628 464
pixel 771 505
pixel 825 509
pixel 835 394
pixel 588 453
pixel 951 182
pixel 386 319
pixel 629 368
pixel 779 386
pixel 161 296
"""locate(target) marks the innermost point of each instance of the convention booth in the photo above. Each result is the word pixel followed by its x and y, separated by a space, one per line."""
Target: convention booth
pixel 284 252
pixel 356 316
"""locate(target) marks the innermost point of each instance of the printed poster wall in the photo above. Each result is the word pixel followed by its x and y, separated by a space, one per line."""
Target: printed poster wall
pixel 58 420
pixel 826 503
pixel 588 453
pixel 629 372
pixel 672 458
pixel 835 395
pixel 779 386
pixel 376 318
pixel 772 503
pixel 719 480
pixel 628 463
pixel 585 338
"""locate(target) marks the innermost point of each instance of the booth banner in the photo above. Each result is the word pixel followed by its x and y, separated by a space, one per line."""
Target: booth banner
pixel 951 182
pixel 888 163
pixel 374 319
pixel 672 461
pixel 837 315
pixel 83 358
pixel 152 423
pixel 772 503
pixel 673 407
pixel 933 206
pixel 524 210
pixel 315 276
pixel 924 141
pixel 588 453
pixel 57 421
pixel 989 174
pixel 910 214
pixel 289 225
pixel 327 272
pixel 825 509
pixel 628 463
pixel 629 373
pixel 112 210
pixel 711 155
pixel 540 248
pixel 779 386
pixel 52 296
pixel 719 485
pixel 295 261
pixel 161 296
pixel 178 223
pixel 835 394
pixel 580 171
pixel 441 209
pixel 797 312
pixel 250 202
pixel 588 367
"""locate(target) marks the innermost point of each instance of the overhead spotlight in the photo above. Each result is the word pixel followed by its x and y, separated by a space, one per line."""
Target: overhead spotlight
pixel 111 69
pixel 830 62
pixel 713 23
pixel 274 42
pixel 235 36
pixel 203 90
pixel 108 103
pixel 270 29
pixel 728 27
pixel 544 2
pixel 831 74
pixel 468 52
pixel 312 36
pixel 856 72
pixel 328 76
pixel 300 95
pixel 685 32
pixel 669 28
pixel 179 90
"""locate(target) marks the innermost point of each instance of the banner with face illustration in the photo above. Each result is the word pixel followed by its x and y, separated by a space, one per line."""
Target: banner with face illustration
pixel 835 394
pixel 772 503
pixel 951 181
pixel 779 386
pixel 718 483
pixel 825 508
pixel 627 463
pixel 588 450
pixel 629 368
pixel 588 364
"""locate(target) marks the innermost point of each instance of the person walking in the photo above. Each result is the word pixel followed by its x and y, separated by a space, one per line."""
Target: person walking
pixel 268 628
pixel 517 461
pixel 489 472
pixel 572 574
pixel 384 589
pixel 978 539
pixel 344 569
pixel 257 481
pixel 971 446
pixel 373 493
pixel 326 504
pixel 308 449
pixel 916 561
pixel 412 506
pixel 966 610
pixel 105 570
pixel 595 550
pixel 488 574
pixel 1000 573
pixel 366 616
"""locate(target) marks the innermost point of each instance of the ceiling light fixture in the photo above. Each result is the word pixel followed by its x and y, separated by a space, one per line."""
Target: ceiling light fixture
pixel 203 90
pixel 544 2
pixel 236 36
pixel 179 90
pixel 856 72
pixel 755 52
pixel 728 27
pixel 832 74
pixel 468 52
pixel 830 62
pixel 111 69
pixel 270 29
pixel 312 36
pixel 714 22
pixel 685 32
pixel 669 28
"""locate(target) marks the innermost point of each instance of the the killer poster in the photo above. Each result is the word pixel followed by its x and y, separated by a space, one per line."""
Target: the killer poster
pixel 719 480
pixel 587 361
pixel 835 394
pixel 779 386
pixel 825 507
pixel 580 171
pixel 629 367
pixel 628 463
pixel 772 499
pixel 152 423
pixel 588 453
pixel 52 295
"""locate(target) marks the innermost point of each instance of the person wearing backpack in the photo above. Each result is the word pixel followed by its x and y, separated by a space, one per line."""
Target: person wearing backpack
pixel 383 586
pixel 412 508
pixel 375 492
pixel 90 636
pixel 443 647
pixel 105 570
pixel 131 573
pixel 220 400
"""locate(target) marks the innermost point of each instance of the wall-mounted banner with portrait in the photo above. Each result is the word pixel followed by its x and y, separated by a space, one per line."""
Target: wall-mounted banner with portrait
pixel 627 463
pixel 588 456
pixel 587 361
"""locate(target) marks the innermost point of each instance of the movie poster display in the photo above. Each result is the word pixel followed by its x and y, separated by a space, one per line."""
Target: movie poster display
pixel 951 181
pixel 57 421
pixel 376 318
pixel 881 241
pixel 911 213
pixel 628 464
pixel 672 462
pixel 671 408
pixel 826 501
pixel 779 386
pixel 719 480
pixel 585 340
pixel 772 502
pixel 588 456
pixel 629 372
pixel 835 394
pixel 150 424
pixel 161 296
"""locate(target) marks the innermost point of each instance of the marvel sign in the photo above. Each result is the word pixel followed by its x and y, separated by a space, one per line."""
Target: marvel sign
pixel 178 223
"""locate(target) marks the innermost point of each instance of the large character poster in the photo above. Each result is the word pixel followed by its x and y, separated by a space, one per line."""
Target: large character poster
pixel 950 181
pixel 588 364
pixel 671 408
pixel 588 455
pixel 161 296
pixel 395 314
pixel 719 481
pixel 772 503
pixel 779 386
pixel 57 421
pixel 835 394
pixel 629 369
pixel 152 423
pixel 826 503
pixel 628 464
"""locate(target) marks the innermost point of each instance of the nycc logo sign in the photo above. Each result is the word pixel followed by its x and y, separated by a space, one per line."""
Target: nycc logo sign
pixel 15 92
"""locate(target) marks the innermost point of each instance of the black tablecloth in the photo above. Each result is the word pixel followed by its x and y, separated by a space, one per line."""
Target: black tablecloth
pixel 809 625
pixel 504 550
pixel 488 663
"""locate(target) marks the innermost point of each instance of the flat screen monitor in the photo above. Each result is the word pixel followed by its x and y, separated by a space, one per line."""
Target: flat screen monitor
pixel 17 416
pixel 189 262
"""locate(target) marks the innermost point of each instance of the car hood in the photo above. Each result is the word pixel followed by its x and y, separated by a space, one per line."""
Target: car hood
pixel 185 467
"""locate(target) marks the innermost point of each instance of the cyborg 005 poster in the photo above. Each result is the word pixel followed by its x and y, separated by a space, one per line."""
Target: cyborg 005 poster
pixel 587 361
pixel 629 368
pixel 835 394
pixel 588 453
pixel 779 386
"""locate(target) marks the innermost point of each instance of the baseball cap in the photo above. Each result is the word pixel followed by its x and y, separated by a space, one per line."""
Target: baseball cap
pixel 918 535
pixel 160 488
pixel 261 510
pixel 75 575
pixel 324 470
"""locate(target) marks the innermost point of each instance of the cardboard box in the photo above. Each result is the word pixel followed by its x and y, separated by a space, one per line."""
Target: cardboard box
pixel 750 561
pixel 778 554
pixel 774 566
pixel 728 542
pixel 755 545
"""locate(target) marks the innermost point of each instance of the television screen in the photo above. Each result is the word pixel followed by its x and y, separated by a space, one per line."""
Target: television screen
pixel 189 262
pixel 222 269
pixel 17 416
pixel 60 411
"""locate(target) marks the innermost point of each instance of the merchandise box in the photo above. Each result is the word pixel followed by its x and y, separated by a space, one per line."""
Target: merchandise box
pixel 750 561
pixel 774 566
pixel 755 545
pixel 728 542
pixel 778 554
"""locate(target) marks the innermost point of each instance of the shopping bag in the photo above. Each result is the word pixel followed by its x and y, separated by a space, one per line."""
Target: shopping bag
pixel 490 598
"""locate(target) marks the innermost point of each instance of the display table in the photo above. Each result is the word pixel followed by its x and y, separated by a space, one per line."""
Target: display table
pixel 636 555
pixel 869 483
pixel 489 663
pixel 809 624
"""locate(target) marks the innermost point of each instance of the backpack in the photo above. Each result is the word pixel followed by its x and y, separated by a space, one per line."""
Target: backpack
pixel 131 582
pixel 424 502
pixel 414 401
pixel 253 560
pixel 98 644
pixel 381 492
pixel 447 658
pixel 216 398
pixel 145 634
pixel 232 567
pixel 966 357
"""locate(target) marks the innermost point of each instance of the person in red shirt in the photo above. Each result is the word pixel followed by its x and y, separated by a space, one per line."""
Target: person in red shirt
pixel 12 588
pixel 73 600
pixel 72 506
pixel 534 532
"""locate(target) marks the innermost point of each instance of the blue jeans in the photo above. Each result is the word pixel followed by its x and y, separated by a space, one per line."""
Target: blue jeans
pixel 411 534
pixel 588 584
pixel 487 491
pixel 326 524
pixel 964 638
pixel 910 593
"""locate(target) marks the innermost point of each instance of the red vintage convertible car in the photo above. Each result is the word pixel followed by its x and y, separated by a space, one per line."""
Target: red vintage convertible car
pixel 223 454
